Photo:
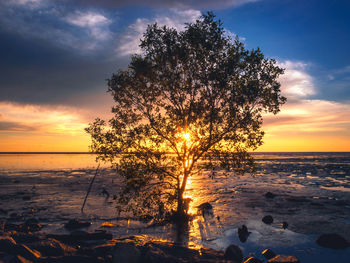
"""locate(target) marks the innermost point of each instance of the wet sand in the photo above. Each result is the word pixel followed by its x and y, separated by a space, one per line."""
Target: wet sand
pixel 312 202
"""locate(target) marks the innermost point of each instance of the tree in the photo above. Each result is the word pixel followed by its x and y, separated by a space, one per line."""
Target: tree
pixel 192 100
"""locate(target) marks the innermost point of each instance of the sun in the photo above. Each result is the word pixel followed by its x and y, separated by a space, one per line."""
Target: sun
pixel 186 136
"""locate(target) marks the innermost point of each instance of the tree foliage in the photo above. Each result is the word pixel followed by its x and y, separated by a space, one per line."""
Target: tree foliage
pixel 192 100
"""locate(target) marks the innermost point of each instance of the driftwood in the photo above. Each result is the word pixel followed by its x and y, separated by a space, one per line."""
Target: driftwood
pixel 89 189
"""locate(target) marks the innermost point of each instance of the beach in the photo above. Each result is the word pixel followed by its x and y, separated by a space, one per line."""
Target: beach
pixel 310 192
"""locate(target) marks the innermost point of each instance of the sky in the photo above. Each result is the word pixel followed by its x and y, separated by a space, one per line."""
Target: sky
pixel 55 57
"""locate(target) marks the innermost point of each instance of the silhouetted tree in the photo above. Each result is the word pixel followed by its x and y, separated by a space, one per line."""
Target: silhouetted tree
pixel 192 100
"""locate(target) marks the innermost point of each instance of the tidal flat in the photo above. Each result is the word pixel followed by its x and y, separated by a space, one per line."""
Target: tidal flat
pixel 310 192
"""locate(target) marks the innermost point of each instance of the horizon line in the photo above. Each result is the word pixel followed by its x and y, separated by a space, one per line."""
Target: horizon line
pixel 249 152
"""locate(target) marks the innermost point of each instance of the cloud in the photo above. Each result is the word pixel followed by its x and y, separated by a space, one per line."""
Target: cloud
pixel 129 43
pixel 26 3
pixel 41 119
pixel 95 23
pixel 301 114
pixel 197 4
pixel 310 116
pixel 14 126
pixel 296 82
pixel 83 31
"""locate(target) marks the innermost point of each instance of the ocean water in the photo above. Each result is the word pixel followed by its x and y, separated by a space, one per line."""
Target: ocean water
pixel 312 195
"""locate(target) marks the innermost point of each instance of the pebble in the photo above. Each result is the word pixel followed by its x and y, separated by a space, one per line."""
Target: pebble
pixel 267 220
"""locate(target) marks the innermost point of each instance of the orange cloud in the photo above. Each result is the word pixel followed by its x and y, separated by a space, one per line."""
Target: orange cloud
pixel 306 124
pixel 42 128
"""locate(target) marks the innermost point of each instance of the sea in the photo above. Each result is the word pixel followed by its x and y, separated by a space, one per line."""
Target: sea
pixel 311 189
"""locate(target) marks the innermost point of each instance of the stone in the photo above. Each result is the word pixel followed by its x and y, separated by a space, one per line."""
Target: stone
pixel 205 206
pixel 156 255
pixel 234 253
pixel 26 252
pixel 52 247
pixel 243 233
pixel 268 254
pixel 77 236
pixel 126 253
pixel 25 237
pixel 11 227
pixel 103 249
pixel 333 241
pixel 284 225
pixel 19 259
pixel 208 253
pixel 75 259
pixel 252 260
pixel 284 259
pixel 176 251
pixel 267 220
pixel 31 225
pixel 76 224
pixel 270 195
pixel 7 244
pixel 205 209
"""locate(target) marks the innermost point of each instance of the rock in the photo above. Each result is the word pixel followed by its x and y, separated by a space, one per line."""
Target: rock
pixel 284 225
pixel 126 253
pixel 333 241
pixel 267 220
pixel 26 252
pixel 205 209
pixel 268 254
pixel 252 260
pixel 7 244
pixel 243 233
pixel 176 251
pixel 52 247
pixel 76 224
pixel 205 206
pixel 25 237
pixel 156 255
pixel 103 249
pixel 77 236
pixel 234 253
pixel 208 253
pixel 19 259
pixel 74 259
pixel 269 195
pixel 108 224
pixel 11 227
pixel 31 225
pixel 284 259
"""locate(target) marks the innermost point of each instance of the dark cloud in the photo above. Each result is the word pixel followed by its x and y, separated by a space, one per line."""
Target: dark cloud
pixel 33 71
pixel 7 126
pixel 195 4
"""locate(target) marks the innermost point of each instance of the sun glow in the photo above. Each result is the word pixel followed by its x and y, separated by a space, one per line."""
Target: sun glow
pixel 186 136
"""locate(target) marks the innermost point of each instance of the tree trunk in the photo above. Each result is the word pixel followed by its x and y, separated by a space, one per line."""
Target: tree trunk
pixel 180 204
